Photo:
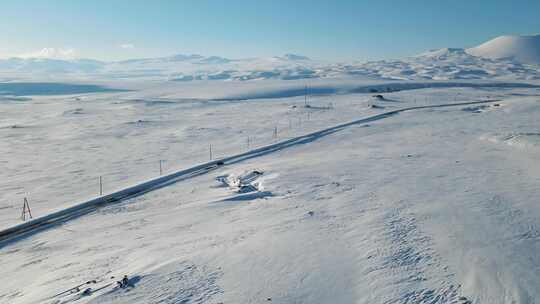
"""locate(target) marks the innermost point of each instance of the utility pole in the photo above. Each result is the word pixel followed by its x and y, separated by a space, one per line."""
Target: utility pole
pixel 26 209
pixel 100 186
pixel 305 95
pixel 160 167
pixel 210 151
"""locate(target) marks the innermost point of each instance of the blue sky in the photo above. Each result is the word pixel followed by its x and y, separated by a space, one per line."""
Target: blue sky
pixel 331 30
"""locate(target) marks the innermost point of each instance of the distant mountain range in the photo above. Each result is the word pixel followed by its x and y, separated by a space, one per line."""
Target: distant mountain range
pixel 505 57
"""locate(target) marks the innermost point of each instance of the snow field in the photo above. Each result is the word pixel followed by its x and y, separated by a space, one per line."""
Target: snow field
pixel 415 208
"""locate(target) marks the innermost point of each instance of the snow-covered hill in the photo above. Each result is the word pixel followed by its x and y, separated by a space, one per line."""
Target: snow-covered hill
pixel 504 58
pixel 21 66
pixel 445 64
pixel 525 49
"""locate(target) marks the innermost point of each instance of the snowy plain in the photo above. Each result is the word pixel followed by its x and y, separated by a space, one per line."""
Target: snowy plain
pixel 427 206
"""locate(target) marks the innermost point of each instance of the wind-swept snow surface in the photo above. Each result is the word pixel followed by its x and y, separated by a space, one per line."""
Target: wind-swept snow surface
pixel 429 206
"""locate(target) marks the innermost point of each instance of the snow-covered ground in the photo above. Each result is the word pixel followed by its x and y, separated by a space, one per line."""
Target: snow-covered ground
pixel 56 147
pixel 428 206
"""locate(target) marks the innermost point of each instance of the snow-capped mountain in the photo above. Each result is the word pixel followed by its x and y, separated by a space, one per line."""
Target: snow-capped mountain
pixel 185 58
pixel 525 49
pixel 447 64
pixel 505 58
pixel 294 57
pixel 50 65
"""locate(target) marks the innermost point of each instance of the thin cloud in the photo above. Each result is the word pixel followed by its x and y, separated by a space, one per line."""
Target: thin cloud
pixel 127 46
